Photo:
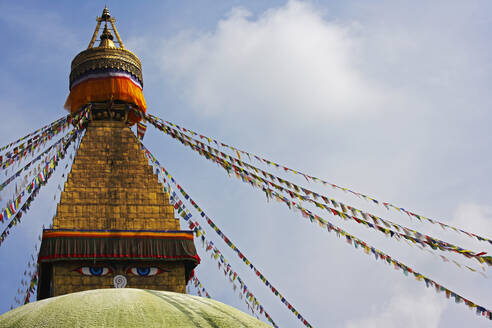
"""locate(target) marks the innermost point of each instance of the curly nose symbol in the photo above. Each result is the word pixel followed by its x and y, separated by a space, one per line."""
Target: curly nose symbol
pixel 119 281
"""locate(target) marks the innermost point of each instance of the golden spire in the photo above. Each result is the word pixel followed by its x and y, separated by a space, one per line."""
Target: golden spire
pixel 106 38
pixel 106 17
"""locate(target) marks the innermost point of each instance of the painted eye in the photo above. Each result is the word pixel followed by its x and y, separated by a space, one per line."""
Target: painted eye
pixel 94 271
pixel 145 271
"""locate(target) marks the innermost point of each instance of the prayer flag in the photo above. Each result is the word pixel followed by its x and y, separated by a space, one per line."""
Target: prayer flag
pixel 141 128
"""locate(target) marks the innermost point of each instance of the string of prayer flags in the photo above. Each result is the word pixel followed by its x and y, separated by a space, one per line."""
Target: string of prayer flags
pixel 22 151
pixel 27 279
pixel 379 255
pixel 44 129
pixel 250 299
pixel 358 243
pixel 154 120
pixel 198 230
pixel 225 238
pixel 368 249
pixel 229 243
pixel 11 208
pixel 32 285
pixel 141 128
pixel 42 178
pixel 28 165
pixel 356 215
pixel 217 255
pixel 348 212
pixel 344 214
pixel 199 287
pixel 38 181
pixel 80 118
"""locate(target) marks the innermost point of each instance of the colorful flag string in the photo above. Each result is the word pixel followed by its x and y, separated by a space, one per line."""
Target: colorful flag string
pixel 24 296
pixel 32 265
pixel 11 207
pixel 402 232
pixel 480 310
pixel 33 144
pixel 60 121
pixel 216 253
pixel 349 212
pixel 33 188
pixel 254 303
pixel 42 178
pixel 141 128
pixel 28 165
pixel 32 285
pixel 29 272
pixel 243 175
pixel 21 183
pixel 39 174
pixel 227 240
pixel 199 287
pixel 368 249
pixel 308 177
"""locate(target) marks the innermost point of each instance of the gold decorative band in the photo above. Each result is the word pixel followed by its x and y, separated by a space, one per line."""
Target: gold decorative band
pixel 94 59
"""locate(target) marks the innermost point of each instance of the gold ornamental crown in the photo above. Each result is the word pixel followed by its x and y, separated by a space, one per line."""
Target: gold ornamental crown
pixel 106 56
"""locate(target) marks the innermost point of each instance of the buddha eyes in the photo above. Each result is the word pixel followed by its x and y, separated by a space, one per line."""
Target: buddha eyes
pixel 144 271
pixel 99 271
pixel 94 271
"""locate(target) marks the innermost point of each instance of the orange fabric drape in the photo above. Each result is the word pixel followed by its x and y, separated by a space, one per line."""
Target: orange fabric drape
pixel 103 89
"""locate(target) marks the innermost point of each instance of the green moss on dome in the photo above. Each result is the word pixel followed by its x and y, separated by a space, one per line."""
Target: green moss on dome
pixel 127 307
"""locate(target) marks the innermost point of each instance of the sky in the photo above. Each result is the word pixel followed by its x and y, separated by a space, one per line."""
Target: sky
pixel 388 98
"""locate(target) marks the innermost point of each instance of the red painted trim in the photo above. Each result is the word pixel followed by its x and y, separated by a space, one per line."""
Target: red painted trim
pixel 132 235
pixel 118 256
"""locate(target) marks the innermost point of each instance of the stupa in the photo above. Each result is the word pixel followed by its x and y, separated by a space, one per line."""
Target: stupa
pixel 114 225
pixel 115 255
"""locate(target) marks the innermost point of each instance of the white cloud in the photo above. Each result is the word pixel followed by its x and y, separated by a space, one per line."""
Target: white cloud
pixel 289 60
pixel 473 217
pixel 408 310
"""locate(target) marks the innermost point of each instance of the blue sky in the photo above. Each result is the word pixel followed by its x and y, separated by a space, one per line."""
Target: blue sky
pixel 389 98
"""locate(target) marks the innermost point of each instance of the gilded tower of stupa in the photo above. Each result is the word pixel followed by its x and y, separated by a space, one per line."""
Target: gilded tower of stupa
pixel 114 225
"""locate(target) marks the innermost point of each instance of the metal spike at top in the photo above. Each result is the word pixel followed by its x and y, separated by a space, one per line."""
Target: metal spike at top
pixel 105 14
pixel 105 17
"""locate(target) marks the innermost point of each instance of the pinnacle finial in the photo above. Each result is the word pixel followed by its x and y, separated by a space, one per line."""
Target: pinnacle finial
pixel 106 36
pixel 105 14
